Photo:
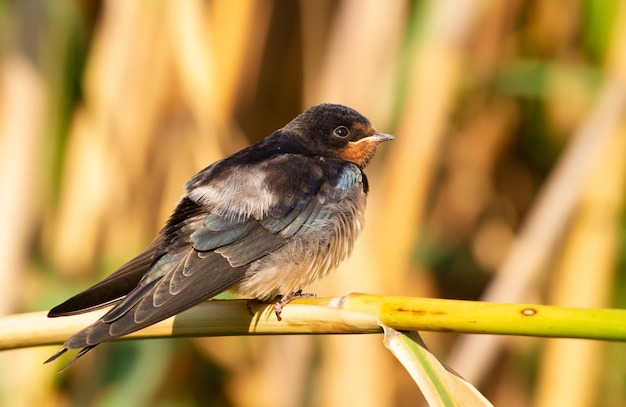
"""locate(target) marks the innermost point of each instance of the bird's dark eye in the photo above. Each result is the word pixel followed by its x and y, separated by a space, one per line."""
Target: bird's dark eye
pixel 341 131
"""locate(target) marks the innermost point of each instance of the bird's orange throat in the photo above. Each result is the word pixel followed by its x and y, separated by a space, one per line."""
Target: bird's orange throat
pixel 360 152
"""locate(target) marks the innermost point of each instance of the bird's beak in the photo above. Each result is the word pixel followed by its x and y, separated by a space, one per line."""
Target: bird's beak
pixel 380 137
pixel 375 138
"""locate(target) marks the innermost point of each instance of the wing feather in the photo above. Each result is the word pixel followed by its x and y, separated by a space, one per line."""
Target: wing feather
pixel 112 288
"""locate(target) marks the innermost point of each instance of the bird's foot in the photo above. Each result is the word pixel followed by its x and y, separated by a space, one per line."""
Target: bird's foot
pixel 278 307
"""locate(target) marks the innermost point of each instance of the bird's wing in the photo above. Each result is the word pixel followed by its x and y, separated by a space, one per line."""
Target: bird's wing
pixel 184 276
pixel 112 288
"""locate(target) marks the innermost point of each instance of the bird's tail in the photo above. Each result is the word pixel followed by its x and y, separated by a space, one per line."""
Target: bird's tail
pixel 82 352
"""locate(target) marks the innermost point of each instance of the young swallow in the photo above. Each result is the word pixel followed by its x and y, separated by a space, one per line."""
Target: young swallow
pixel 263 222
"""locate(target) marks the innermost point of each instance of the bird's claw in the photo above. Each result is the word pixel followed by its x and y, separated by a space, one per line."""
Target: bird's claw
pixel 278 306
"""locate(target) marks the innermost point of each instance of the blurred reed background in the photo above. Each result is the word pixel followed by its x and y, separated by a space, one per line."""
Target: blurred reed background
pixel 107 108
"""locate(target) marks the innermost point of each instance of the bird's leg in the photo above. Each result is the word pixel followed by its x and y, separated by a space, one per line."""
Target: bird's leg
pixel 278 307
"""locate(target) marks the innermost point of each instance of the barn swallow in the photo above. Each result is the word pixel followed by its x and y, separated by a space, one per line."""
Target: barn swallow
pixel 263 222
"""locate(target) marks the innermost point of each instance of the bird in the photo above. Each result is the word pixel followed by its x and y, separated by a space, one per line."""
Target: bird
pixel 263 223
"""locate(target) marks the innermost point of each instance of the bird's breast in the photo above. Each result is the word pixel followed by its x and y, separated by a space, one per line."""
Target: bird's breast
pixel 310 254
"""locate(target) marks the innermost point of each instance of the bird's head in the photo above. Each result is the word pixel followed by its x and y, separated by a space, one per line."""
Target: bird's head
pixel 337 131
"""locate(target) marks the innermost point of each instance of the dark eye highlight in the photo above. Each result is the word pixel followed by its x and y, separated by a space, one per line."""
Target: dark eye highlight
pixel 341 131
